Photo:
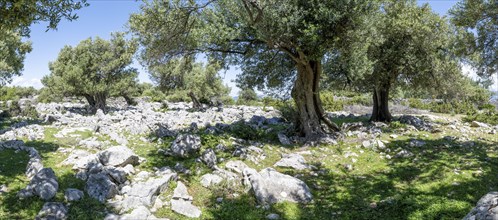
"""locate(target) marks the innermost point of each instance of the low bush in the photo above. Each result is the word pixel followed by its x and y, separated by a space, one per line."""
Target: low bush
pixel 329 103
pixel 488 116
pixel 154 94
pixel 16 92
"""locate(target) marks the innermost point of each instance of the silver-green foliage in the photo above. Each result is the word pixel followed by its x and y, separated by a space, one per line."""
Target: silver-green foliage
pixel 94 69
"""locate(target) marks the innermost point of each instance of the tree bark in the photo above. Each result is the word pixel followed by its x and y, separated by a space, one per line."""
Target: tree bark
pixel 129 100
pixel 91 103
pixel 96 102
pixel 380 111
pixel 306 95
pixel 100 102
pixel 195 102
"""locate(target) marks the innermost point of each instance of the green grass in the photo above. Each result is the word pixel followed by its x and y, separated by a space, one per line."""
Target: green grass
pixel 13 165
pixel 443 180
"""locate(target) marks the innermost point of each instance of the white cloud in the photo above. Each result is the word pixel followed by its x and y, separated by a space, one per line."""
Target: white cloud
pixel 24 82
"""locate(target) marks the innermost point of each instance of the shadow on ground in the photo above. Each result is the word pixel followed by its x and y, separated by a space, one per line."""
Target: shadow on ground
pixel 12 174
pixel 441 180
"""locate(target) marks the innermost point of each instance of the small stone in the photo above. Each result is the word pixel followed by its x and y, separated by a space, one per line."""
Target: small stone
pixel 477 124
pixel 219 200
pixel 181 192
pixel 117 156
pixel 366 144
pixel 273 216
pixel 186 145
pixel 100 187
pixel 284 139
pixel 209 158
pixel 373 205
pixel 53 210
pixel 208 180
pixel 185 208
pixel 348 167
pixel 295 161
pixel 73 195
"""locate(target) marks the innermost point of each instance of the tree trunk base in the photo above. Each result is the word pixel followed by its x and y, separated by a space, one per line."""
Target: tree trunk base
pixel 380 111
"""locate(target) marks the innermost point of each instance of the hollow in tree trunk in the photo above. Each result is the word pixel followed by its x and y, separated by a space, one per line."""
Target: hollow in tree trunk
pixel 380 110
pixel 306 95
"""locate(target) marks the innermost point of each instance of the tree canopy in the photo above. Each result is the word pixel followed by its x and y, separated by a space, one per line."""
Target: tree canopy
pixel 185 78
pixel 479 18
pixel 16 18
pixel 94 69
pixel 410 46
pixel 20 14
pixel 12 53
pixel 286 39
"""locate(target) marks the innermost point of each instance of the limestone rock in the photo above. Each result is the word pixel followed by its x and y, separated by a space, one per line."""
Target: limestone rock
pixel 44 184
pixel 284 139
pixel 182 202
pixel 477 124
pixel 144 193
pixel 236 166
pixel 100 187
pixel 73 195
pixel 181 192
pixel 185 145
pixel 270 187
pixel 53 211
pixel 209 158
pixel 295 161
pixel 185 208
pixel 486 208
pixel 208 180
pixel 118 156
pixel 141 212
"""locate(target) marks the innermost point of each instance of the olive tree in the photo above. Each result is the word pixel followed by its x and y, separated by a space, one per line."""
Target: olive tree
pixel 94 69
pixel 19 15
pixel 12 53
pixel 479 18
pixel 16 17
pixel 184 78
pixel 268 39
pixel 413 48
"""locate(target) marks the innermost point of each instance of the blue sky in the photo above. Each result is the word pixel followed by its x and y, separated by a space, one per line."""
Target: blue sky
pixel 102 18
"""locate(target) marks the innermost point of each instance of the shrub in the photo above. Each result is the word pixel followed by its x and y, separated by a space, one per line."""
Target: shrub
pixel 47 96
pixel 488 117
pixel 329 104
pixel 16 92
pixel 418 104
pixel 361 100
pixel 154 95
pixel 30 112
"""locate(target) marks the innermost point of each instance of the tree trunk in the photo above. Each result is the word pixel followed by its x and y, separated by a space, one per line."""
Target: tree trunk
pixel 91 104
pixel 129 100
pixel 100 102
pixel 306 95
pixel 96 102
pixel 195 102
pixel 380 110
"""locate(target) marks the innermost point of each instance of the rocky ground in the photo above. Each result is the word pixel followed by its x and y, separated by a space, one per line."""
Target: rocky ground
pixel 153 161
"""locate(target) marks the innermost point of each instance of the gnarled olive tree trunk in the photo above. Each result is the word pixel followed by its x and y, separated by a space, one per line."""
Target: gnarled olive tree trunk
pixel 95 102
pixel 195 102
pixel 380 111
pixel 129 100
pixel 306 94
